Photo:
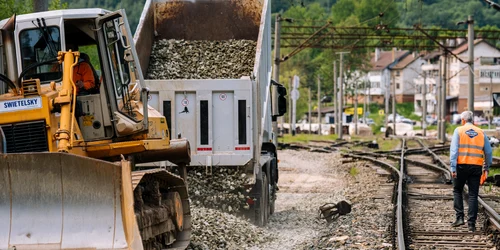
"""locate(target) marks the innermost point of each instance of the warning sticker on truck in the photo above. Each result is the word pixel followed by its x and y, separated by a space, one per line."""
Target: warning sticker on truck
pixel 21 104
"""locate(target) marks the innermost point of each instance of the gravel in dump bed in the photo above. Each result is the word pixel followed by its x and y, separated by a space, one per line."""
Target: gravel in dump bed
pixel 199 59
pixel 213 229
pixel 223 189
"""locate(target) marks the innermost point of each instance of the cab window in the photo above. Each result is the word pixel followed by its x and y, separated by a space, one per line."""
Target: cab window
pixel 38 46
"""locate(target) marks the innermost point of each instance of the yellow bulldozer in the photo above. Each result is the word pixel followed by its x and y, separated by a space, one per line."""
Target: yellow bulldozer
pixel 69 175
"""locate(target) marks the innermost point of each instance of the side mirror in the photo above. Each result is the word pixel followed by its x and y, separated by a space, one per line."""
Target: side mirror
pixel 279 106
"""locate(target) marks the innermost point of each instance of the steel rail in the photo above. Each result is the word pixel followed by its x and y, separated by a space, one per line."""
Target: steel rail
pixel 399 209
pixel 413 162
pixel 492 214
pixel 378 162
pixel 400 239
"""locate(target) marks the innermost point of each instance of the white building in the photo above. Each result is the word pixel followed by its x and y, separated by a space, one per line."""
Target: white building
pixel 393 67
pixel 403 73
pixel 432 79
pixel 486 64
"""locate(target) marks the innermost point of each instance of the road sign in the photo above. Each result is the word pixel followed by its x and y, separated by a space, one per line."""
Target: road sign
pixel 350 111
pixel 223 96
pixel 295 94
pixel 184 102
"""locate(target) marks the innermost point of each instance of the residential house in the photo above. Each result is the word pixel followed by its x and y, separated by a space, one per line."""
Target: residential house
pixel 432 78
pixel 486 77
pixel 403 73
pixel 397 67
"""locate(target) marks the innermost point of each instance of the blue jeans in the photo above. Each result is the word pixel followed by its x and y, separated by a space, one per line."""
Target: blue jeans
pixel 470 174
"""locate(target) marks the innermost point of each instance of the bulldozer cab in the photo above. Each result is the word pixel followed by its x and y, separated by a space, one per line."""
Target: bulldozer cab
pixel 117 106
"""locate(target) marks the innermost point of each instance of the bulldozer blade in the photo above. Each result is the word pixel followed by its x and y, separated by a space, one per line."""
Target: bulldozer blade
pixel 64 201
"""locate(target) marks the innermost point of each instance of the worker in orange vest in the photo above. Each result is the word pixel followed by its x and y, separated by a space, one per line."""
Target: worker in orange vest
pixel 469 151
pixel 84 74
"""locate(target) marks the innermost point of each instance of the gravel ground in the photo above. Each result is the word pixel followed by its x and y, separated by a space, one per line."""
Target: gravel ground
pixel 367 226
pixel 307 181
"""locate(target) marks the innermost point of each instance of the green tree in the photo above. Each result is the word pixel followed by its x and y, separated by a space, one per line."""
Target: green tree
pixel 11 7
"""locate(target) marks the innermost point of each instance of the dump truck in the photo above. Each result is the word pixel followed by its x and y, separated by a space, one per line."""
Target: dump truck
pixel 68 156
pixel 224 101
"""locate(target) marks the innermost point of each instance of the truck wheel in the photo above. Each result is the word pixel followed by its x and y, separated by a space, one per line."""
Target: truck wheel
pixel 273 185
pixel 272 197
pixel 262 210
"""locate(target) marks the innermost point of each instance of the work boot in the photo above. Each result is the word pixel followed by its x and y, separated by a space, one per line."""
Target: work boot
pixel 458 222
pixel 472 227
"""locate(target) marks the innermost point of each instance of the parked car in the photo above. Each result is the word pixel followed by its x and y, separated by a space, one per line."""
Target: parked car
pixel 368 121
pixel 494 142
pixel 430 120
pixel 405 120
pixel 390 117
pixel 480 121
pixel 496 121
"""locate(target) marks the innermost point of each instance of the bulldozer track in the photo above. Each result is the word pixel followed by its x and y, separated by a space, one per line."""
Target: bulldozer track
pixel 162 209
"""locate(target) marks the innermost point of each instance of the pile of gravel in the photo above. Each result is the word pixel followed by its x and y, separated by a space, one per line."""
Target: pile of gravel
pixel 197 59
pixel 222 190
pixel 213 229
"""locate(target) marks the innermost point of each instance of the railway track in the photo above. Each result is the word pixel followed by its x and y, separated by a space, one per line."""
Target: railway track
pixel 423 201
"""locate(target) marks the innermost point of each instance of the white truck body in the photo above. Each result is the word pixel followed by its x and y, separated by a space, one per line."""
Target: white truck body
pixel 229 120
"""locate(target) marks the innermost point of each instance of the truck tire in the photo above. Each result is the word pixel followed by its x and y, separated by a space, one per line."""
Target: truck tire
pixel 273 186
pixel 272 198
pixel 262 208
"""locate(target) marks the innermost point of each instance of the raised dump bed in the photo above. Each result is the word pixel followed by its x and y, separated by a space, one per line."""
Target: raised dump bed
pixel 209 69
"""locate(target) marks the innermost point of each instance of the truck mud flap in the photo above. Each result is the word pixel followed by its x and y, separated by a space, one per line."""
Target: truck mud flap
pixel 64 201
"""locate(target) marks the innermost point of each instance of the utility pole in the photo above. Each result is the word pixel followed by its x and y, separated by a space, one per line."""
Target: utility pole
pixel 387 87
pixel 491 98
pixel 364 102
pixel 470 22
pixel 356 108
pixel 393 102
pixel 290 86
pixel 424 106
pixel 335 97
pixel 310 115
pixel 438 96
pixel 276 69
pixel 319 106
pixel 341 87
pixel 40 5
pixel 443 99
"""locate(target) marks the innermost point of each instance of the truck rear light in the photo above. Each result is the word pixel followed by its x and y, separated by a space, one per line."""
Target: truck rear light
pixel 250 201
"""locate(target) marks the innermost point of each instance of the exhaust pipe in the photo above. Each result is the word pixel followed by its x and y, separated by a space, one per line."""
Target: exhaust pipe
pixel 178 153
pixel 10 49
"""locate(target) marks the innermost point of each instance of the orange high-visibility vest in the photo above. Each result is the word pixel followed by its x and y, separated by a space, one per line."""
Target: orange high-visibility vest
pixel 471 145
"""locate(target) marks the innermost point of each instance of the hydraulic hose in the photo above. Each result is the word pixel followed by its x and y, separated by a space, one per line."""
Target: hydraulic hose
pixel 9 82
pixel 34 66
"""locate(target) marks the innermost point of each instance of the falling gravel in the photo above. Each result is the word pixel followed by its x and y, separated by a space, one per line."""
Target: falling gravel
pixel 199 59
pixel 213 229
pixel 307 180
pixel 222 189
